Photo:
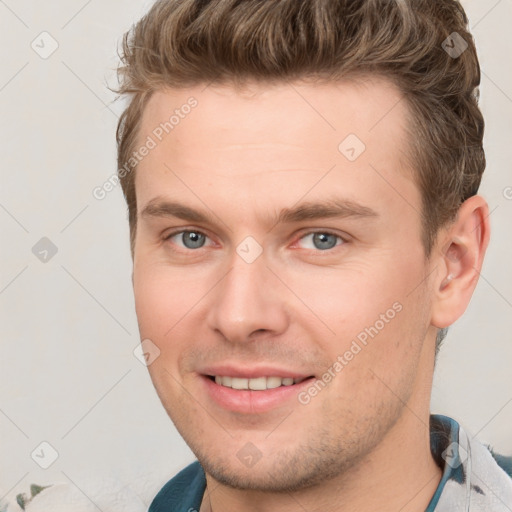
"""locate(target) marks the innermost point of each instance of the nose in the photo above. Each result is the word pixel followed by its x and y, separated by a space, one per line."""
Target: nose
pixel 250 299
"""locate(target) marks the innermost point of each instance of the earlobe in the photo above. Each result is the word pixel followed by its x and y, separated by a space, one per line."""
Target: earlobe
pixel 463 245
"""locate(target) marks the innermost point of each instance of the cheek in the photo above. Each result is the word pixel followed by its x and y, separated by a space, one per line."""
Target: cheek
pixel 345 299
pixel 163 296
pixel 377 305
pixel 152 304
pixel 159 306
pixel 167 302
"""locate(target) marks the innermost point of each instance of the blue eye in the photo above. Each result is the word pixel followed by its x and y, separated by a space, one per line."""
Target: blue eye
pixel 323 240
pixel 192 239
pixel 189 239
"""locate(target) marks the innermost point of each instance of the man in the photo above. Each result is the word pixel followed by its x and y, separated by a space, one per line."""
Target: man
pixel 302 178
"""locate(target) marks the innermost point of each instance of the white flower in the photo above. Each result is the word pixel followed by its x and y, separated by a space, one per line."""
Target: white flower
pixel 106 495
pixel 66 497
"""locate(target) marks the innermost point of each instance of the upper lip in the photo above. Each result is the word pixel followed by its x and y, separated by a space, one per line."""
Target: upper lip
pixel 229 370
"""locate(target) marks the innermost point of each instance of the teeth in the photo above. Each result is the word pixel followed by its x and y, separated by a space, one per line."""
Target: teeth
pixel 256 384
pixel 237 383
pixel 273 382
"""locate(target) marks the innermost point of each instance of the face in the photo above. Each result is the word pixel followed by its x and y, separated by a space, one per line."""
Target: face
pixel 277 256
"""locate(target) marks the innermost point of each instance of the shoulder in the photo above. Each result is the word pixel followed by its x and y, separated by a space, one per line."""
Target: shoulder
pixel 504 461
pixel 183 492
pixel 473 474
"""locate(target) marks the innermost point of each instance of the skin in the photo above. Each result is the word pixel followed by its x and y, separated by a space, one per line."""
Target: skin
pixel 362 443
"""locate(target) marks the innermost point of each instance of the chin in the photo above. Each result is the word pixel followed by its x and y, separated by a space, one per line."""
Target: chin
pixel 283 471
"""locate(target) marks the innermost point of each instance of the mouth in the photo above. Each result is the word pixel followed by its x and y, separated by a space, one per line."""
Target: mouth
pixel 255 394
pixel 256 383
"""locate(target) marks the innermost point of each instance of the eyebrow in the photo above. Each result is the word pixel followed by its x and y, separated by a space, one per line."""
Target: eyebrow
pixel 329 208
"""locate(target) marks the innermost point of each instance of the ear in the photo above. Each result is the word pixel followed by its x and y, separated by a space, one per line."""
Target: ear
pixel 460 252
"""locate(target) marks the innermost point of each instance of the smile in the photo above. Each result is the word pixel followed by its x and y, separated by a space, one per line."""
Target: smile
pixel 255 384
pixel 255 394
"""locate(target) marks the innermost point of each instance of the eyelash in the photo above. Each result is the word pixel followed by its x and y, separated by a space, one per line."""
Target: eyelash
pixel 324 232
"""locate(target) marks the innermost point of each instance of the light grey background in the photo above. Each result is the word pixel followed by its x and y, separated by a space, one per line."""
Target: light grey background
pixel 68 326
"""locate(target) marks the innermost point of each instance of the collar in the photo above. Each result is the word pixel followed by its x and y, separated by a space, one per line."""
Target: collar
pixel 472 480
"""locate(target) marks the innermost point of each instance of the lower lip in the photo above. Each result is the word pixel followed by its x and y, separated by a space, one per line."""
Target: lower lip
pixel 253 402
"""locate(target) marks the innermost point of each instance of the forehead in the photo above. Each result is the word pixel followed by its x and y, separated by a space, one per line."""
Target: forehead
pixel 300 113
pixel 233 136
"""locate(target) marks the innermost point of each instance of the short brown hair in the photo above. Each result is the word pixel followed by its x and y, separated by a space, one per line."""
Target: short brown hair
pixel 181 43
